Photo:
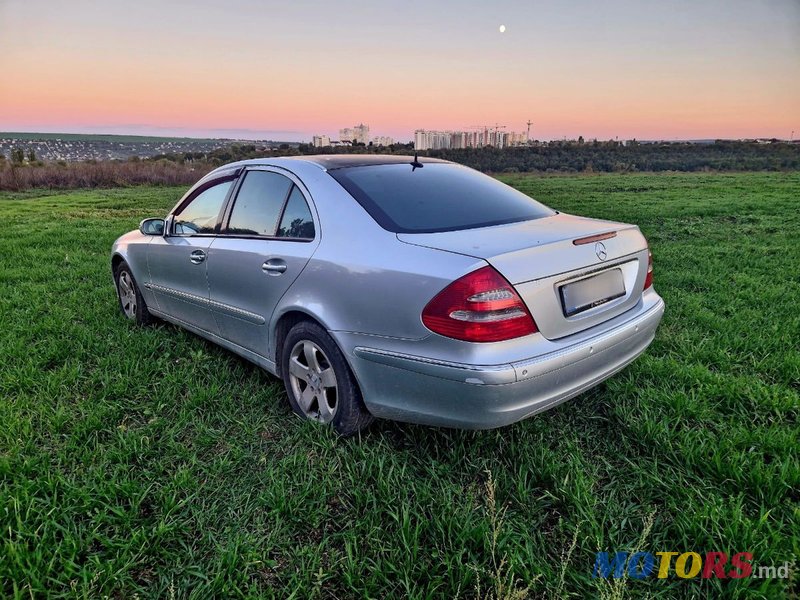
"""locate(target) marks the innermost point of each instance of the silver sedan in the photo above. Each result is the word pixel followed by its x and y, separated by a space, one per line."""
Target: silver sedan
pixel 395 287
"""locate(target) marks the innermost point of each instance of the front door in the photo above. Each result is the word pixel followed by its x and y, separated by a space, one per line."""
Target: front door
pixel 177 261
pixel 264 243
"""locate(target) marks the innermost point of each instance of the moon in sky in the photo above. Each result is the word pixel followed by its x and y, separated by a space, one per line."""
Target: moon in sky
pixel 502 28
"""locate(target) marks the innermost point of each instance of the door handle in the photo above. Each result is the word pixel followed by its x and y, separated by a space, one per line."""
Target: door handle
pixel 274 266
pixel 197 256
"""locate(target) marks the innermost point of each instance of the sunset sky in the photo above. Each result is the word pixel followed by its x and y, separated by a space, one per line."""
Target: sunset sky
pixel 286 70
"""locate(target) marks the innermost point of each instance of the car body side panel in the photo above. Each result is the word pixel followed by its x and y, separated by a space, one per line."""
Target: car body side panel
pixel 180 285
pixel 132 248
pixel 243 295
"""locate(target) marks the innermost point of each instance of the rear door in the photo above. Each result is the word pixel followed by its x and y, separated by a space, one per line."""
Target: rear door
pixel 267 237
pixel 177 261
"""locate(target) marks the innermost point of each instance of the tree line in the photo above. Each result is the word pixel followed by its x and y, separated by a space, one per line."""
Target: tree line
pixel 558 156
pixel 551 157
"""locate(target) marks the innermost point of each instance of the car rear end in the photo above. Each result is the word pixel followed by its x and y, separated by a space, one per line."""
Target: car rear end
pixel 555 304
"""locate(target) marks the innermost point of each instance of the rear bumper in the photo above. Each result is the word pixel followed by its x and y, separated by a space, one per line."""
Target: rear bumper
pixel 422 390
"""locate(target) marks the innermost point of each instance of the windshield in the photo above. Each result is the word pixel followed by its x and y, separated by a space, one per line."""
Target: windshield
pixel 436 197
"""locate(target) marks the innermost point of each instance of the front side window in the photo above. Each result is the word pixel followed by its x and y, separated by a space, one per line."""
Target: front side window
pixel 296 221
pixel 200 215
pixel 259 203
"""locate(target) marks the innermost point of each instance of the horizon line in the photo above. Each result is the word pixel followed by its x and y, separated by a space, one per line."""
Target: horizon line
pixel 309 141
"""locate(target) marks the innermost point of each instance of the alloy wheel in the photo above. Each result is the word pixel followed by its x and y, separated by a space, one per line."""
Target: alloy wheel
pixel 313 381
pixel 127 294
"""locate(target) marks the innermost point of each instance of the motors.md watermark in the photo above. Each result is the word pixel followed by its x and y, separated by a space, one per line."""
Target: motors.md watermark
pixel 685 565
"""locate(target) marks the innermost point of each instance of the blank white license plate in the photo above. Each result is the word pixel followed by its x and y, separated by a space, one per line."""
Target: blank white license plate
pixel 592 291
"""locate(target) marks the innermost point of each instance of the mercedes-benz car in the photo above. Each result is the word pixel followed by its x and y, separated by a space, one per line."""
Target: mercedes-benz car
pixel 395 287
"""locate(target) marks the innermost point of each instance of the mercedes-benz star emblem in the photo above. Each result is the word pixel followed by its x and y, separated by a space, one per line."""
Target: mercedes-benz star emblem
pixel 600 250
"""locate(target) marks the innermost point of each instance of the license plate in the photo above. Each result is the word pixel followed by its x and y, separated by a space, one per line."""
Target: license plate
pixel 593 291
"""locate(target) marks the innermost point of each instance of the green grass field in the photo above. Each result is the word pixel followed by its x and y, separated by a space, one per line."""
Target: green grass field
pixel 149 462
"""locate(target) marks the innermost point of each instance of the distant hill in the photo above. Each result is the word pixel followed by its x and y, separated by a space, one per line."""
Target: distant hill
pixel 102 137
pixel 73 147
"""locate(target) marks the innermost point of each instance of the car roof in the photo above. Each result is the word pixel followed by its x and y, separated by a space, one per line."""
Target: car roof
pixel 340 161
pixel 327 162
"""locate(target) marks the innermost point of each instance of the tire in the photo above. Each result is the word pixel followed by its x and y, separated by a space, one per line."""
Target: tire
pixel 319 382
pixel 131 303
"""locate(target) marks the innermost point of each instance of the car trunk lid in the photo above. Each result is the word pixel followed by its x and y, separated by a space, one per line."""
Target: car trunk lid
pixel 571 272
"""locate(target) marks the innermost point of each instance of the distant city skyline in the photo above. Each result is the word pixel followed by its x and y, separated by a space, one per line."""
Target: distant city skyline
pixel 287 71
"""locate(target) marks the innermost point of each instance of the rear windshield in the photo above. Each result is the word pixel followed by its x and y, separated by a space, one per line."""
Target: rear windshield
pixel 436 197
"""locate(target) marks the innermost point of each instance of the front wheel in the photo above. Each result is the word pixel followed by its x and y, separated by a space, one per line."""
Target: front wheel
pixel 318 380
pixel 130 298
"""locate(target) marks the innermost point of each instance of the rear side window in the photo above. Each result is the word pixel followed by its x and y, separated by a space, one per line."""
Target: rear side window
pixel 259 203
pixel 296 221
pixel 437 197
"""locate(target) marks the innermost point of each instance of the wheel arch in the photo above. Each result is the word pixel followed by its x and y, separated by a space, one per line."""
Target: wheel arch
pixel 116 260
pixel 285 322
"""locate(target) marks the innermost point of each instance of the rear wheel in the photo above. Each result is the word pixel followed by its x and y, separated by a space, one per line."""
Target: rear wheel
pixel 318 380
pixel 131 302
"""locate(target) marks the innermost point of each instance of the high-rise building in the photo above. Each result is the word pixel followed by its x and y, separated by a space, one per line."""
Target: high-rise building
pixel 346 133
pixel 382 140
pixel 421 139
pixel 513 138
pixel 358 133
pixel 432 140
pixel 425 139
pixel 320 141
pixel 458 139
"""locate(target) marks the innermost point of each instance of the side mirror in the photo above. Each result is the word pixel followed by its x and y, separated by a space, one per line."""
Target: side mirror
pixel 152 227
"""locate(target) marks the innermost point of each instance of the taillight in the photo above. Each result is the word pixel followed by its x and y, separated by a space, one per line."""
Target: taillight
pixel 479 307
pixel 648 281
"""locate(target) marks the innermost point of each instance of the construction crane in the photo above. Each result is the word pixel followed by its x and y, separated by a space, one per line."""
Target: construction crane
pixel 497 129
pixel 486 128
